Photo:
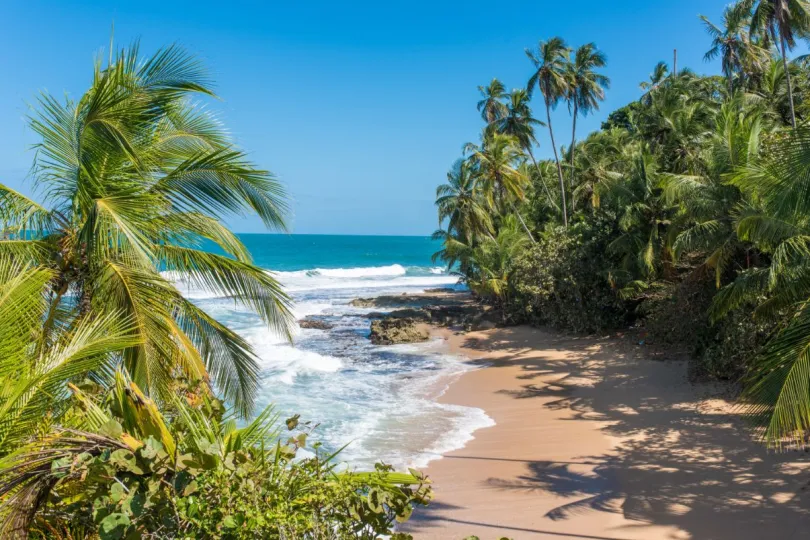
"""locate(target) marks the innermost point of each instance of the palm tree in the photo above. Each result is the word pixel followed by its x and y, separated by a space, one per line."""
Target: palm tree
pixel 519 123
pixel 137 176
pixel 500 180
pixel 732 43
pixel 550 77
pixel 518 120
pixel 782 21
pixel 492 263
pixel 644 218
pixel 491 104
pixel 708 204
pixel 777 388
pixel 586 88
pixel 460 202
pixel 35 382
pixel 658 76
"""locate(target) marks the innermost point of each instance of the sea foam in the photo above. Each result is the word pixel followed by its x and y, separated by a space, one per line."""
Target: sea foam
pixel 381 401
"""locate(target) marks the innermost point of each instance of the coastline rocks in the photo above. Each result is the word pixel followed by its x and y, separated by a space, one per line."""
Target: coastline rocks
pixel 392 301
pixel 405 322
pixel 393 330
pixel 316 324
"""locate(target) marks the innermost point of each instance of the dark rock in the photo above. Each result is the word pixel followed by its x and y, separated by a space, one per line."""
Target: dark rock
pixel 317 324
pixel 391 331
pixel 412 300
pixel 441 290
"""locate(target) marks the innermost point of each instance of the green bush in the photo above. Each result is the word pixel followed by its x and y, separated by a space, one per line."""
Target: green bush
pixel 724 350
pixel 189 472
pixel 561 281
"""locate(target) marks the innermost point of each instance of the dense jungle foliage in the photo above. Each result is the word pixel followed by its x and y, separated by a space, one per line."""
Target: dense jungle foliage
pixel 687 212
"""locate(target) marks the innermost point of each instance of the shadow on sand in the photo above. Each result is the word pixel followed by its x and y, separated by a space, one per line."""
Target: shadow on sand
pixel 682 462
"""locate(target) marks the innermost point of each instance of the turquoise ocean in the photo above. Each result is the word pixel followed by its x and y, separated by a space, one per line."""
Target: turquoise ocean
pixel 381 401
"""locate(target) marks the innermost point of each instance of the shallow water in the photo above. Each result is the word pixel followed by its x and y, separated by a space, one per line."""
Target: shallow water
pixel 381 401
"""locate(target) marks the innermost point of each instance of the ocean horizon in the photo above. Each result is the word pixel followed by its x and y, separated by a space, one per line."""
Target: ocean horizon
pixel 381 401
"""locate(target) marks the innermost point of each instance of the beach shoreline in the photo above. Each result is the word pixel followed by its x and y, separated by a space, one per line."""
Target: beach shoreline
pixel 594 440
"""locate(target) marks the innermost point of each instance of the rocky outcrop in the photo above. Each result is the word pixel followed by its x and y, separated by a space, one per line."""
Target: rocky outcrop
pixel 450 309
pixel 412 300
pixel 392 301
pixel 392 330
pixel 316 324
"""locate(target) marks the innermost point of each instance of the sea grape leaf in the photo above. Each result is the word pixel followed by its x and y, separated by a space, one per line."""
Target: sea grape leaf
pixel 113 526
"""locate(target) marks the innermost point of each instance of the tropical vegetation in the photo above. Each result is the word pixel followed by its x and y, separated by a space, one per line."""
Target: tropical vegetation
pixel 127 411
pixel 685 216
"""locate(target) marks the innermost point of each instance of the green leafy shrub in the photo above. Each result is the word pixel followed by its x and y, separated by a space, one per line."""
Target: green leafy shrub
pixel 723 350
pixel 561 281
pixel 192 474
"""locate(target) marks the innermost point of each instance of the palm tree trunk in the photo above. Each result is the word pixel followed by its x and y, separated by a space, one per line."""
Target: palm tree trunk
pixel 559 168
pixel 520 218
pixel 789 84
pixel 573 143
pixel 545 188
pixel 730 84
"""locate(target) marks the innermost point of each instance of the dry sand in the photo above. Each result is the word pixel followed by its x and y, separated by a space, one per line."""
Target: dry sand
pixel 594 441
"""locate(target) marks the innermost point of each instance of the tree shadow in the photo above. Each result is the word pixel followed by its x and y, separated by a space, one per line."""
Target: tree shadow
pixel 684 461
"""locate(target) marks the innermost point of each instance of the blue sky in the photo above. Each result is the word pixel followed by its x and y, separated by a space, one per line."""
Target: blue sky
pixel 360 108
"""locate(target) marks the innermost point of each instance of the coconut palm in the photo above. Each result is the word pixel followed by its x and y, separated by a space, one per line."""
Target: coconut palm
pixel 586 88
pixel 709 205
pixel 500 180
pixel 491 104
pixel 644 218
pixel 518 121
pixel 33 381
pixel 459 201
pixel 778 388
pixel 782 21
pixel 137 176
pixel 733 44
pixel 658 76
pixel 492 262
pixel 550 77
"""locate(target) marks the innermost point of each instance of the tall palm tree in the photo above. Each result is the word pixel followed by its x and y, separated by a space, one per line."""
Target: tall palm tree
pixel 491 105
pixel 518 120
pixel 500 179
pixel 783 21
pixel 137 176
pixel 586 88
pixel 732 43
pixel 519 123
pixel 550 77
pixel 460 202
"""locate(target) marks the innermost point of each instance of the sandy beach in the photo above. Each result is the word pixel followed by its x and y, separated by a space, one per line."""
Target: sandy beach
pixel 595 441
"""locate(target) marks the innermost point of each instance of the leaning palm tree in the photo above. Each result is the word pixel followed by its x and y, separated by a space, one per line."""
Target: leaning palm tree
pixel 491 104
pixel 586 88
pixel 550 78
pixel 500 180
pixel 137 176
pixel 733 44
pixel 782 21
pixel 520 124
pixel 460 202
